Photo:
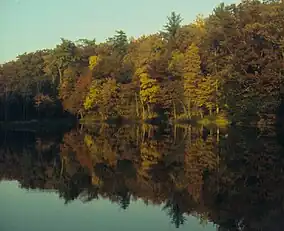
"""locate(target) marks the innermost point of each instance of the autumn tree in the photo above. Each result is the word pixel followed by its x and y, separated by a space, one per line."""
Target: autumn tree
pixel 191 78
pixel 102 98
pixel 149 90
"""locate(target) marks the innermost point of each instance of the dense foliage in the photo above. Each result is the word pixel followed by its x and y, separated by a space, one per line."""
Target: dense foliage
pixel 229 63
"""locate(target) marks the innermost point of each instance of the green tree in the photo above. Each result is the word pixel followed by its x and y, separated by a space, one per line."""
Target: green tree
pixel 172 27
pixel 60 59
pixel 119 42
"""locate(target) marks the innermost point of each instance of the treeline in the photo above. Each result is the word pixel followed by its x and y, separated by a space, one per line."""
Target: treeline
pixel 232 178
pixel 228 64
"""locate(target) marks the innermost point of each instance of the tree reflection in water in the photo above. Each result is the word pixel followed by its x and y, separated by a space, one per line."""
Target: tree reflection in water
pixel 231 177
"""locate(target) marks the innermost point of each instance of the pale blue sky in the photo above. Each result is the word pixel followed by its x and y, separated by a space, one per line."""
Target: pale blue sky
pixel 29 25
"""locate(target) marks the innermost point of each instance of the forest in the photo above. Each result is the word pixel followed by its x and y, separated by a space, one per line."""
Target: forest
pixel 228 66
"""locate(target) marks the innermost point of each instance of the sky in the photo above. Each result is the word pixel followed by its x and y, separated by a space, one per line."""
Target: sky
pixel 30 25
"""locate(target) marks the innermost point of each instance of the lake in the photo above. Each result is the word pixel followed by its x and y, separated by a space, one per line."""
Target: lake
pixel 142 177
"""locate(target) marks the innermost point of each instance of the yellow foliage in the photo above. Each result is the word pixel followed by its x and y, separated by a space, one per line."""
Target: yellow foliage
pixel 88 141
pixel 199 21
pixel 103 95
pixel 192 60
pixel 150 150
pixel 176 63
pixel 206 92
pixel 191 76
pixel 109 90
pixel 94 95
pixel 93 61
pixel 95 180
pixel 149 88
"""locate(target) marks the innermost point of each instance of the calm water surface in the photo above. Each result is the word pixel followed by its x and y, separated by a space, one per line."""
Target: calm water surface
pixel 24 209
pixel 107 177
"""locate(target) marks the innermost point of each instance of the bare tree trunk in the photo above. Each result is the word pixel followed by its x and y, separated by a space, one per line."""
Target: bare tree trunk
pixel 188 109
pixel 188 131
pixel 60 75
pixel 148 110
pixel 149 131
pixel 216 93
pixel 184 107
pixel 62 166
pixel 143 133
pixel 218 135
pixel 175 133
pixel 175 110
pixel 137 106
pixel 143 112
pixel 201 114
pixel 137 135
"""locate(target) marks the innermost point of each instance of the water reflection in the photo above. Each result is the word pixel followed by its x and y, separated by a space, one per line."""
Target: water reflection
pixel 230 177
